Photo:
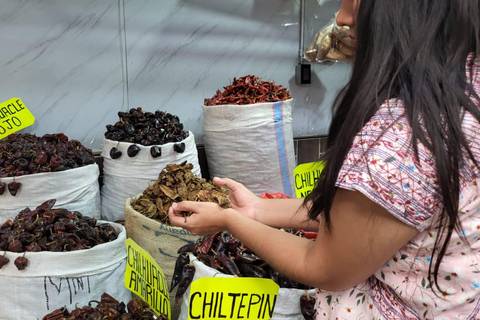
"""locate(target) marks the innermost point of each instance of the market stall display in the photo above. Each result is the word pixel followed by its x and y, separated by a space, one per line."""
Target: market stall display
pixel 135 150
pixel 107 309
pixel 33 169
pixel 220 254
pixel 146 218
pixel 54 257
pixel 260 112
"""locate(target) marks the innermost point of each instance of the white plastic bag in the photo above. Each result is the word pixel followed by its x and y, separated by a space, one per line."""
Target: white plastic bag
pixel 286 307
pixel 56 279
pixel 252 144
pixel 126 177
pixel 74 189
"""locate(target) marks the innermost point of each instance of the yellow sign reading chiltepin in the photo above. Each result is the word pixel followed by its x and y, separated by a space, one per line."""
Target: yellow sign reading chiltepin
pixel 14 116
pixel 145 278
pixel 306 176
pixel 232 298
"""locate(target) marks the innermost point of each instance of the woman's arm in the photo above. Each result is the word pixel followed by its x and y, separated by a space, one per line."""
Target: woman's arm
pixel 363 237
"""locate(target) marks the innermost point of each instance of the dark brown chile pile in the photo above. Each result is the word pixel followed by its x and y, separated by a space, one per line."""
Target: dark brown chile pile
pixel 48 229
pixel 146 128
pixel 223 252
pixel 23 154
pixel 107 309
pixel 174 184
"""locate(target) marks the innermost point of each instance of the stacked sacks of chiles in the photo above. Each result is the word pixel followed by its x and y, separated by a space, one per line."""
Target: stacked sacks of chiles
pixel 146 215
pixel 52 166
pixel 249 125
pixel 135 149
pixel 53 257
pixel 221 254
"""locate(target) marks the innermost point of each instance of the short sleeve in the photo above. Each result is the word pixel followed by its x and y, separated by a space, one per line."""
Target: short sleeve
pixel 381 164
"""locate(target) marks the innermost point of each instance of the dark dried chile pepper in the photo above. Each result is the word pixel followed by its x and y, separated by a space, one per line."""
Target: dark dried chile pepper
pixel 228 263
pixel 3 260
pixel 3 186
pixel 179 147
pixel 133 150
pixel 181 262
pixel 156 151
pixel 307 307
pixel 21 263
pixel 251 270
pixel 115 153
pixel 189 247
pixel 13 187
pixel 207 260
pixel 187 278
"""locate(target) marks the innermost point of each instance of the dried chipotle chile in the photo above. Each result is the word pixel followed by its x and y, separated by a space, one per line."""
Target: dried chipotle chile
pixel 179 147
pixel 3 186
pixel 13 187
pixel 115 153
pixel 21 262
pixel 133 150
pixel 156 151
pixel 307 306
pixel 3 260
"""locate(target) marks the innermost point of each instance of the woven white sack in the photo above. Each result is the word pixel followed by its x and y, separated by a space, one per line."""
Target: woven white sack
pixel 56 279
pixel 126 177
pixel 74 189
pixel 286 307
pixel 252 144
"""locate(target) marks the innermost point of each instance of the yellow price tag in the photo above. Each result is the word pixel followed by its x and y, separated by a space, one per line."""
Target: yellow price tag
pixel 232 298
pixel 14 116
pixel 146 279
pixel 306 176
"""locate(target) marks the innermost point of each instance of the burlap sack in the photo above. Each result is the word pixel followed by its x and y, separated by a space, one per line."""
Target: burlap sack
pixel 160 241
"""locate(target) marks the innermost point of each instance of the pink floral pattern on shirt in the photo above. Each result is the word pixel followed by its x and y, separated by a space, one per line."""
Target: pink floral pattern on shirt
pixel 389 175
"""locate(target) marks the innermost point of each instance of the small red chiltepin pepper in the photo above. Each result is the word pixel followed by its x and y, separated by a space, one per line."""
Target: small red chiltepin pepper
pixel 307 306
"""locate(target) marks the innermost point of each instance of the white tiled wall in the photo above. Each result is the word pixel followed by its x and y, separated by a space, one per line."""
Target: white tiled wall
pixel 63 59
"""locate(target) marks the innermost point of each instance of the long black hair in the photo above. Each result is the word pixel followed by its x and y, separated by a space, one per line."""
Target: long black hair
pixel 415 51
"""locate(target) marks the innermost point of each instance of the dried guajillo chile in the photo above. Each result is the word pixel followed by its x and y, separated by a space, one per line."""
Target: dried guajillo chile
pixel 223 252
pixel 249 90
pixel 174 184
pixel 24 154
pixel 107 308
pixel 49 229
pixel 145 128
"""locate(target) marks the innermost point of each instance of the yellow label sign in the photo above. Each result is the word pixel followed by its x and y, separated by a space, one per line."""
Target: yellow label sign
pixel 232 298
pixel 145 278
pixel 14 116
pixel 306 176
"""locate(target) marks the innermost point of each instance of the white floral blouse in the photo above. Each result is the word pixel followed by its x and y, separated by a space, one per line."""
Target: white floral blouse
pixel 408 189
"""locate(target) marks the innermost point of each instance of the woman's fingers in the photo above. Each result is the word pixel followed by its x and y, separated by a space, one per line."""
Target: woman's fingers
pixel 229 183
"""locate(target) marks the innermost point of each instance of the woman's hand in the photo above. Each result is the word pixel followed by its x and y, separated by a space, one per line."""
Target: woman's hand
pixel 207 217
pixel 243 200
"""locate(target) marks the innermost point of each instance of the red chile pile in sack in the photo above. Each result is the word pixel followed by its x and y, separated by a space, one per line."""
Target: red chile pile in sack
pixel 47 229
pixel 249 90
pixel 23 154
pixel 107 309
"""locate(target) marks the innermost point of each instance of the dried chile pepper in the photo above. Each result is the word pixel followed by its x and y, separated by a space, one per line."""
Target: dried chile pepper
pixel 307 306
pixel 133 150
pixel 115 153
pixel 13 187
pixel 181 262
pixel 3 185
pixel 187 277
pixel 21 262
pixel 156 151
pixel 3 260
pixel 228 264
pixel 189 247
pixel 179 147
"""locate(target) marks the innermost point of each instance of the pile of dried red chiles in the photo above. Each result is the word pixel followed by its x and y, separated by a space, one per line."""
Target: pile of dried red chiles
pixel 249 90
pixel 107 309
pixel 48 229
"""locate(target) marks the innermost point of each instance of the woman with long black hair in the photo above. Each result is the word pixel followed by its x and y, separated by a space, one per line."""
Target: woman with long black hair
pixel 397 207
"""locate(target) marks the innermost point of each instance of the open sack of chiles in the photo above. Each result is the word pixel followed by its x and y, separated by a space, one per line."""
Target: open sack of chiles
pixel 51 257
pixel 107 309
pixel 33 169
pixel 135 149
pixel 220 254
pixel 248 135
pixel 146 215
pixel 332 43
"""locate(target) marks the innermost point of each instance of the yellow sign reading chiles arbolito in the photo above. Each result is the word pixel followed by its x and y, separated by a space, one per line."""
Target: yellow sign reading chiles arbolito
pixel 14 116
pixel 146 279
pixel 232 298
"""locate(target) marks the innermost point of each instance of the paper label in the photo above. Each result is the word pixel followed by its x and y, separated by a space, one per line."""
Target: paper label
pixel 306 176
pixel 14 116
pixel 145 278
pixel 232 298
